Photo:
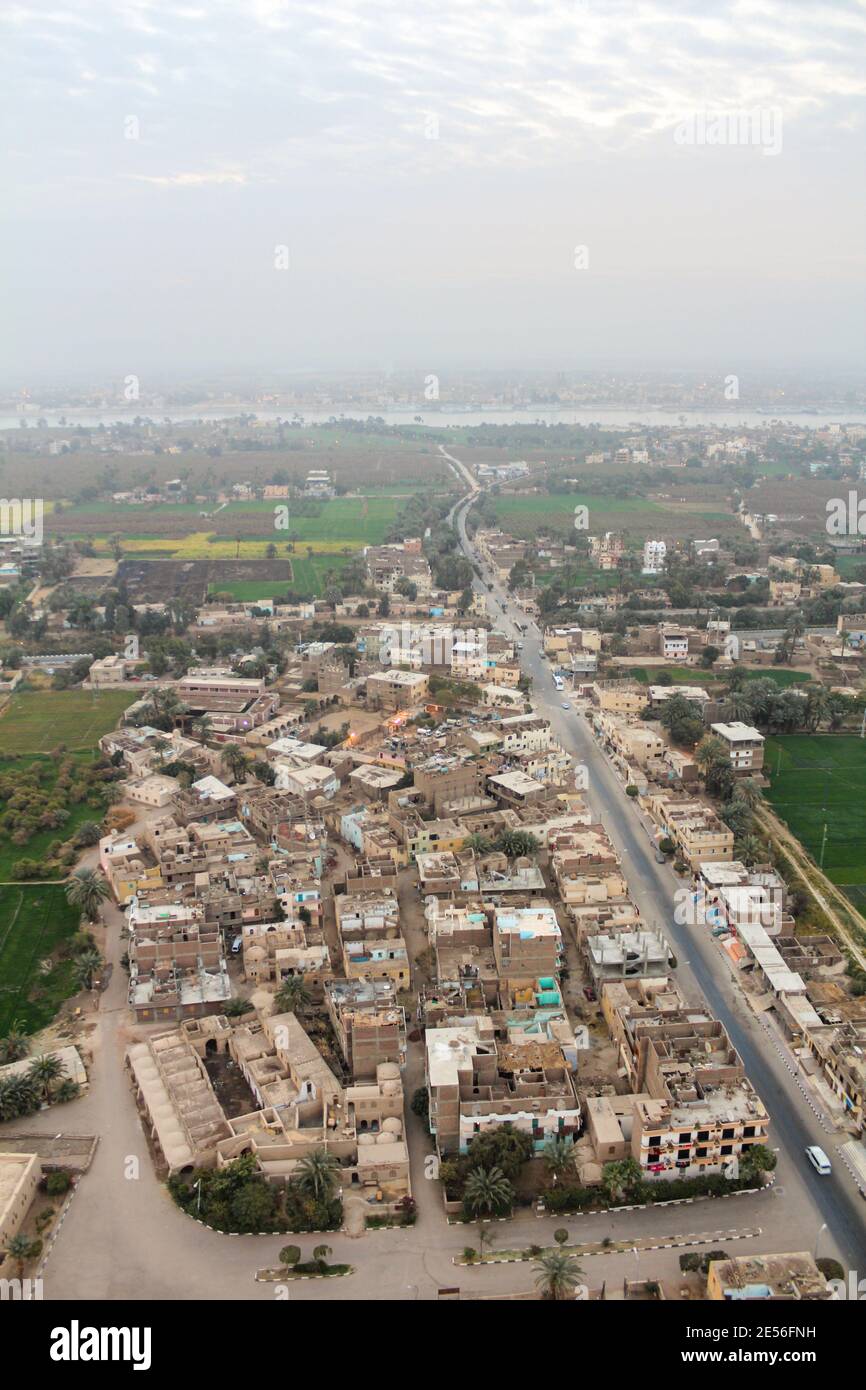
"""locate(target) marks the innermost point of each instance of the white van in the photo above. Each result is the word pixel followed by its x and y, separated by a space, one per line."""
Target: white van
pixel 819 1160
pixel 236 945
pixel 559 682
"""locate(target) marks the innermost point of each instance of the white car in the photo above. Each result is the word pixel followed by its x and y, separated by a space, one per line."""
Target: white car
pixel 819 1160
pixel 566 705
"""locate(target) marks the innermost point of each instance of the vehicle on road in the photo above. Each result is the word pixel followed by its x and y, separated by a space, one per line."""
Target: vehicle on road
pixel 590 994
pixel 661 858
pixel 559 682
pixel 566 705
pixel 819 1160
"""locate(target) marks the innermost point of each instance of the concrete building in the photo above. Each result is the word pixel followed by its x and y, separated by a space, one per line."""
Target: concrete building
pixel 19 1180
pixel 743 745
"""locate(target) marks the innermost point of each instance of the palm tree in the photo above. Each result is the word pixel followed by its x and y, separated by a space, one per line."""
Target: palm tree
pixel 44 1071
pixel 321 1253
pixel 66 1091
pixel 14 1046
pixel 479 843
pixel 557 1275
pixel 19 1097
pixel 817 707
pixel 740 706
pixel 487 1193
pixel 709 753
pixel 19 1248
pixel 292 995
pixel 749 850
pixel 86 967
pixel 749 792
pixel 559 1156
pixel 235 760
pixel 8 1099
pixel 203 726
pixel 317 1175
pixel 517 843
pixel 86 891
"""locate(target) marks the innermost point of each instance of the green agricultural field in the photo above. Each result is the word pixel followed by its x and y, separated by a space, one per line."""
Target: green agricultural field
pixel 36 972
pixel 637 517
pixel 680 675
pixel 819 780
pixel 780 674
pixel 341 521
pixel 37 721
pixel 249 590
pixel 309 572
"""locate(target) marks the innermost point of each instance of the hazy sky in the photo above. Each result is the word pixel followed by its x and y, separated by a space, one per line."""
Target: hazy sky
pixel 431 166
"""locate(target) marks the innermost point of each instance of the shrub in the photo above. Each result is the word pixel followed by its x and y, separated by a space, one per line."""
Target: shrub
pixel 57 1183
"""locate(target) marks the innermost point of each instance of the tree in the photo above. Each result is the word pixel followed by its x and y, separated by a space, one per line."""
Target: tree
pixel 557 1275
pixel 289 1255
pixel 559 1156
pixel 487 1193
pixel 316 1175
pixel 757 1160
pixel 235 760
pixel 87 891
pixel 44 1071
pixel 20 1248
pixel 501 1146
pixel 618 1179
pixel 88 833
pixel 203 726
pixel 292 995
pixel 749 850
pixel 320 1255
pixel 86 966
pixel 14 1046
pixel 67 1090
pixel 517 843
pixel 235 1008
pixel 478 842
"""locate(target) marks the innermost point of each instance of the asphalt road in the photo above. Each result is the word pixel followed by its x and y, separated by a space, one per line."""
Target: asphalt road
pixel 826 1211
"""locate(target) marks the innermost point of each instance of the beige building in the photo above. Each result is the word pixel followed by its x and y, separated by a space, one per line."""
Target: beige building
pixel 743 744
pixel 19 1179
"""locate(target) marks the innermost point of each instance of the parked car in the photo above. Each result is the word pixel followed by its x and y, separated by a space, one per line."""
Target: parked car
pixel 590 994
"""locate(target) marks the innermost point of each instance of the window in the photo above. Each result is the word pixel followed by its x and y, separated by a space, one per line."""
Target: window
pixel 700 1153
pixel 703 1135
pixel 727 1148
pixel 655 1140
pixel 748 1132
pixel 685 1138
pixel 727 1133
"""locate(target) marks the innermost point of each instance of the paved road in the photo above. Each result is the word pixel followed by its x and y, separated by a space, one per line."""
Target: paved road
pixel 827 1209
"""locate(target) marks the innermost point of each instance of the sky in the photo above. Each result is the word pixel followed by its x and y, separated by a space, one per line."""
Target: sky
pixel 393 184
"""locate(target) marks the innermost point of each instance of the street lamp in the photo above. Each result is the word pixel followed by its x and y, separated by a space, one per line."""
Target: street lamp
pixel 821 1228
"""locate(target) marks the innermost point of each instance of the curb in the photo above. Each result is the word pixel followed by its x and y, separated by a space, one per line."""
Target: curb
pixel 588 1254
